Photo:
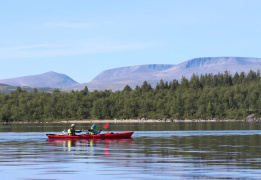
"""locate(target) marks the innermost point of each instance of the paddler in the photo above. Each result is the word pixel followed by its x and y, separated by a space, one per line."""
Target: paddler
pixel 93 129
pixel 72 130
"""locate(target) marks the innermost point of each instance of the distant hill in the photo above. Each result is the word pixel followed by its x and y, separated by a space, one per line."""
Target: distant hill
pixel 49 79
pixel 131 72
pixel 212 65
pixel 4 88
pixel 118 78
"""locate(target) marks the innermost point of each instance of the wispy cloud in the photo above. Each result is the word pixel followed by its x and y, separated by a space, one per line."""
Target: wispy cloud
pixel 68 25
pixel 36 46
pixel 69 49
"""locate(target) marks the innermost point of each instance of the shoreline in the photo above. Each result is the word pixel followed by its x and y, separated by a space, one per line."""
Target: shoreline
pixel 143 120
pixel 146 121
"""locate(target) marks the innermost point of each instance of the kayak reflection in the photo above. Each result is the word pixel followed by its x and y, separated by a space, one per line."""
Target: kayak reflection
pixel 90 145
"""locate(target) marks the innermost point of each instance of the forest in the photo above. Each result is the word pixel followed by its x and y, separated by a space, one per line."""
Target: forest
pixel 221 96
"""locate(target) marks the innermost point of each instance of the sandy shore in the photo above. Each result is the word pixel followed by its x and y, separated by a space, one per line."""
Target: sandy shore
pixel 143 120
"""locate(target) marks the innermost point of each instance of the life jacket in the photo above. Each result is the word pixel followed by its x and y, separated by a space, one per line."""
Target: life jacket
pixel 94 131
pixel 71 132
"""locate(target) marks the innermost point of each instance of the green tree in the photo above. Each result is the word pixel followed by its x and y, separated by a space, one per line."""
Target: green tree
pixel 127 88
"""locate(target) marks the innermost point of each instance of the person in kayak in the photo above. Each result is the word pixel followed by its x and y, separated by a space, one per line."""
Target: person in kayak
pixel 72 130
pixel 93 129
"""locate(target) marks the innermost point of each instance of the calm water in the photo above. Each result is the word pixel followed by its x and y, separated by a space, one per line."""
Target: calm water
pixel 227 150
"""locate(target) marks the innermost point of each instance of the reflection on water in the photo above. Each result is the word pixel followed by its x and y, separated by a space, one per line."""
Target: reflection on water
pixel 153 154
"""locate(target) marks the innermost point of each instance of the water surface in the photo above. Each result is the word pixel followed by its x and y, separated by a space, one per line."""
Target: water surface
pixel 220 150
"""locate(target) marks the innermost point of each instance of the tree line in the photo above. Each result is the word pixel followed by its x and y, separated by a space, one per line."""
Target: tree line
pixel 200 97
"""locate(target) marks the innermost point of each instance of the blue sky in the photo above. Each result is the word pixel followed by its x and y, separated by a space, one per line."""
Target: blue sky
pixel 82 38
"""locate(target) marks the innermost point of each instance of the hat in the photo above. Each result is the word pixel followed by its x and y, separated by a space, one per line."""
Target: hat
pixel 72 125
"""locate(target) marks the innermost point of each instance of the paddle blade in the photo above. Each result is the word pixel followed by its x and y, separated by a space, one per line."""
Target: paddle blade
pixel 106 126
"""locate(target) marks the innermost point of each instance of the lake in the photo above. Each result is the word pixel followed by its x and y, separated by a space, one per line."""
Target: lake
pixel 199 150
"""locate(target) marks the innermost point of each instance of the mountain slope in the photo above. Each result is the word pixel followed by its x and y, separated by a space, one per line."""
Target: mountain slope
pixel 131 72
pixel 212 65
pixel 117 79
pixel 49 79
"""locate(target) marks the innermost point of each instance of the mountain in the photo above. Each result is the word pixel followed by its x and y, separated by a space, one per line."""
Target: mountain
pixel 212 65
pixel 131 72
pixel 117 79
pixel 49 79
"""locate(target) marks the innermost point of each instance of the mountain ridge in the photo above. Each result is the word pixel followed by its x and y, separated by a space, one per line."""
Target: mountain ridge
pixel 204 65
pixel 117 78
pixel 48 79
pixel 134 71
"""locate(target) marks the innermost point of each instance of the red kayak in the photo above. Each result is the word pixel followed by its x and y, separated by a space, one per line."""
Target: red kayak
pixel 110 135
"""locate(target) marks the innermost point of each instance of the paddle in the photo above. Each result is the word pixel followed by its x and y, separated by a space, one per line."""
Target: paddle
pixel 105 127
